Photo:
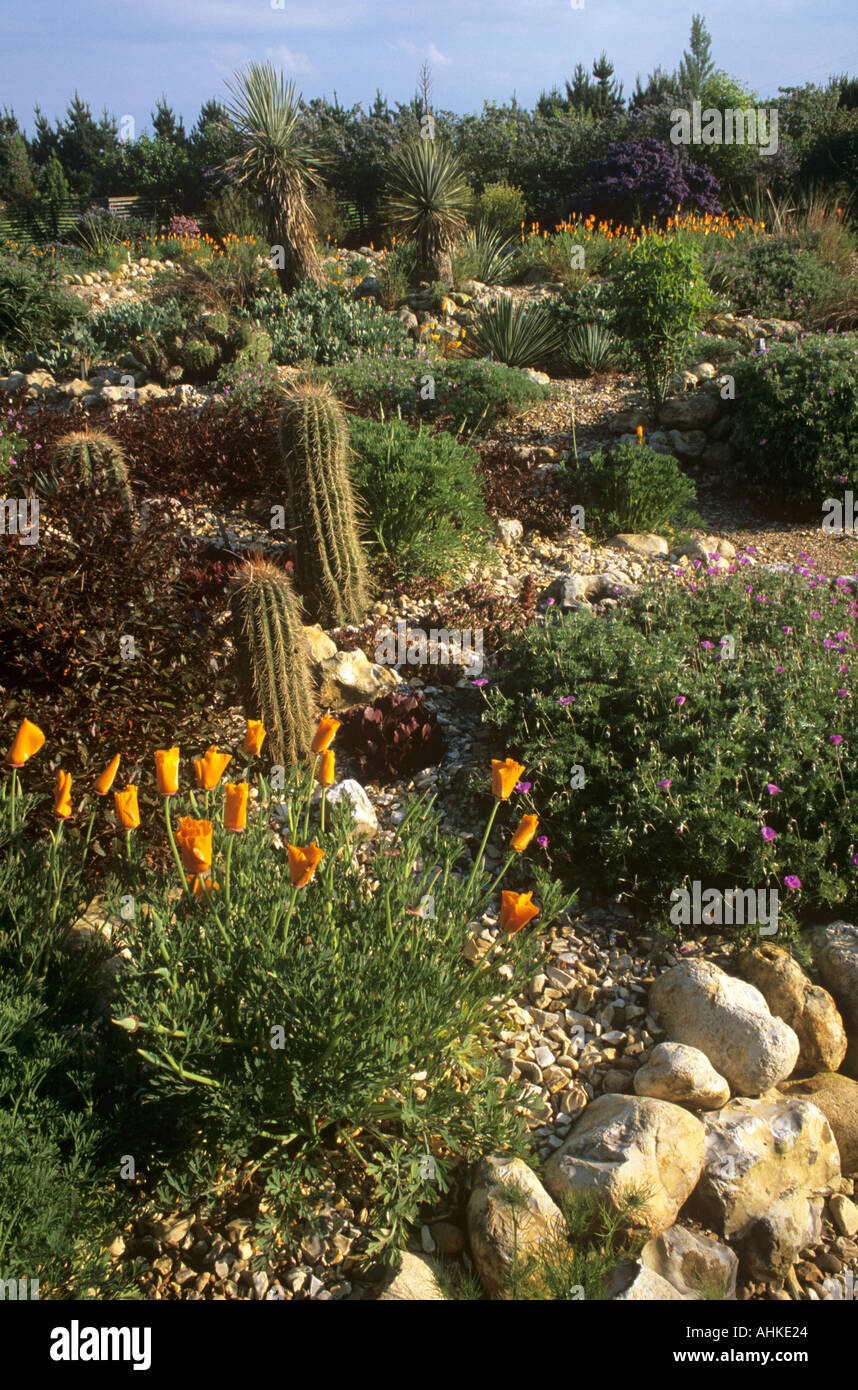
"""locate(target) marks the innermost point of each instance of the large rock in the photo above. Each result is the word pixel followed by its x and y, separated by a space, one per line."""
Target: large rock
pixel 628 1141
pixel 415 1281
pixel 365 820
pixel 683 1075
pixel 320 647
pixel 509 1216
pixel 688 445
pixel 809 1010
pixel 835 956
pixel 689 412
pixel 645 544
pixel 729 1021
pixel 695 1265
pixel 633 1282
pixel 769 1163
pixel 836 1096
pixel 349 678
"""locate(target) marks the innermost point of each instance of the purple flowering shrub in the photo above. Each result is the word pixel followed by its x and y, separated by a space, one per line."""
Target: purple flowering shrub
pixel 639 181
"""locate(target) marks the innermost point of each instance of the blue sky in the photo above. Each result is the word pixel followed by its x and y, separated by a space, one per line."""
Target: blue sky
pixel 124 55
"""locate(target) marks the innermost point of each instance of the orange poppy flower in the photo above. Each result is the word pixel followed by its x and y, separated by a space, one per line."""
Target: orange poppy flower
pixel 255 737
pixel 194 839
pixel 197 886
pixel 105 781
pixel 167 770
pixel 28 741
pixel 303 864
pixel 62 795
pixel 525 833
pixel 516 911
pixel 127 810
pixel 504 777
pixel 325 734
pixel 235 806
pixel 211 768
pixel 326 773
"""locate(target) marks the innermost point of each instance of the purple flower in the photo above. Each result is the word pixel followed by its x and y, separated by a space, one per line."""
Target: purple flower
pixel 542 840
pixel 767 833
pixel 779 670
pixel 707 646
pixel 481 680
pixel 549 602
pixel 843 694
pixel 665 782
pixel 773 790
pixel 792 881
pixel 523 786
pixel 679 699
pixel 566 700
pixel 786 631
pixel 836 739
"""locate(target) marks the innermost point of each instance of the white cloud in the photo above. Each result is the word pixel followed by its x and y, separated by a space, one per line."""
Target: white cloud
pixel 291 61
pixel 436 56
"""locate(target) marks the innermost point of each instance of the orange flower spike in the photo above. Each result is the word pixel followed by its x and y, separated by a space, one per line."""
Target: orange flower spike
pixel 194 840
pixel 255 737
pixel 517 910
pixel 325 734
pixel 127 810
pixel 504 777
pixel 326 774
pixel 167 770
pixel 303 863
pixel 28 741
pixel 235 806
pixel 211 768
pixel 105 781
pixel 524 834
pixel 62 795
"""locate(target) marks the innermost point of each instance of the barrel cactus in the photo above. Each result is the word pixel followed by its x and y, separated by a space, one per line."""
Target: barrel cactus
pixel 272 657
pixel 330 565
pixel 97 463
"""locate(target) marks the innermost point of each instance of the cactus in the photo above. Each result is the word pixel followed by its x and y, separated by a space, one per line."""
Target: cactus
pixel 330 564
pixel 272 655
pixel 198 356
pixel 98 461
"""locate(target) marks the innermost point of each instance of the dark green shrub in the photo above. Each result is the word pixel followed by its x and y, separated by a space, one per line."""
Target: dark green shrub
pixel 796 414
pixel 423 501
pixel 501 208
pixel 700 717
pixel 324 325
pixel 469 392
pixel 777 278
pixel 34 306
pixel 633 488
pixel 661 299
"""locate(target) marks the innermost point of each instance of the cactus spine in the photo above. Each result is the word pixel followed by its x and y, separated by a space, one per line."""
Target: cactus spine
pixel 272 656
pixel 330 565
pixel 98 461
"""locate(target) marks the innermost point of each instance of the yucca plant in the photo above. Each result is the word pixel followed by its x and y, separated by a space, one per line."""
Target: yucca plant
pixel 485 255
pixel 590 348
pixel 277 163
pixel 516 332
pixel 272 658
pixel 427 202
pixel 316 450
pixel 97 462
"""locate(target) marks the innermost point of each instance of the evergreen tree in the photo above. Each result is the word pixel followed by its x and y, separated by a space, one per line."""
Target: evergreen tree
pixel 608 95
pixel 164 123
pixel 54 192
pixel 696 65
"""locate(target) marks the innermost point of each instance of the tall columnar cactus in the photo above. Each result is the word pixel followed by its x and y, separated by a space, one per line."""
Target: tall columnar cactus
pixel 272 655
pixel 330 565
pixel 97 462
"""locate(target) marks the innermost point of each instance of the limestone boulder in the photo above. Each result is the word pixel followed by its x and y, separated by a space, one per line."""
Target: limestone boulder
pixel 683 1075
pixel 808 1009
pixel 509 1216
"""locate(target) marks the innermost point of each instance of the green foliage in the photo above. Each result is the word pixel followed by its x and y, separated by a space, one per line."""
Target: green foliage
pixel 325 326
pixel 633 488
pixel 500 208
pixel 200 351
pixel 485 255
pixel 34 306
pixel 573 1263
pixel 661 300
pixel 423 501
pixel 589 348
pixel 756 667
pixel 777 278
pixel 315 450
pixel 396 274
pixel 515 332
pixel 469 392
pixel 796 417
pixel 98 462
pixel 272 658
pixel 427 200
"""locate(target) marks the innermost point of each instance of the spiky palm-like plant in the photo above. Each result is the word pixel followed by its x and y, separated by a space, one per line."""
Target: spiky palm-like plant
pixel 278 165
pixel 517 332
pixel 272 658
pixel 428 201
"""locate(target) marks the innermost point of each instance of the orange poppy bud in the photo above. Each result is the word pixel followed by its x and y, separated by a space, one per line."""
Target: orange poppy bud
pixel 62 795
pixel 640 434
pixel 211 768
pixel 127 811
pixel 211 887
pixel 303 864
pixel 235 806
pixel 105 781
pixel 194 839
pixel 167 770
pixel 326 773
pixel 516 911
pixel 525 833
pixel 504 777
pixel 325 734
pixel 28 741
pixel 255 737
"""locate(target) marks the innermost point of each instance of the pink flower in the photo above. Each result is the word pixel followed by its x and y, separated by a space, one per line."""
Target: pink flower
pixel 843 694
pixel 665 782
pixel 481 680
pixel 566 700
pixel 786 631
pixel 779 670
pixel 836 739
pixel 542 840
pixel 767 833
pixel 707 646
pixel 772 789
pixel 523 786
pixel 793 882
pixel 679 700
